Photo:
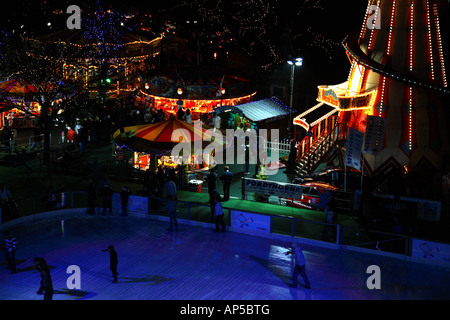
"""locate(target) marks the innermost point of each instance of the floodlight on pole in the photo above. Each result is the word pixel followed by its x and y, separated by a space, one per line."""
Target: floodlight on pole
pixel 293 63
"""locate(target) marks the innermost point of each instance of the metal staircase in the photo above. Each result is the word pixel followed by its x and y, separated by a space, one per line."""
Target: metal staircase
pixel 315 145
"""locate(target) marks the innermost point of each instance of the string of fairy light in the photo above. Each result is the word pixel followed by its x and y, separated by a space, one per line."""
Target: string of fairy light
pixel 388 52
pixel 411 68
pixel 430 43
pixel 441 55
pixel 253 26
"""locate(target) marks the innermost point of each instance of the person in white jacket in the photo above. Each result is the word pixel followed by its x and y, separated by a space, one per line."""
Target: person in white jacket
pixel 300 266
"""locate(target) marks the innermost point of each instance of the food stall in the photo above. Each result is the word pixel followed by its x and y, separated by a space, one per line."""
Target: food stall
pixel 151 146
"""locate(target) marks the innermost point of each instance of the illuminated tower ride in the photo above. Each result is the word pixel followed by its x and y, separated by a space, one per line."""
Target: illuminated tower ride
pixel 398 73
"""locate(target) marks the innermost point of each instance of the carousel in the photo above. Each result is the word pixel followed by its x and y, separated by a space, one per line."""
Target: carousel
pixel 152 146
pixel 16 105
pixel 199 88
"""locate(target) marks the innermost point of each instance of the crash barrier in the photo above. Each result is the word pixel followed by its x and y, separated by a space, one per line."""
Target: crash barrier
pixel 259 224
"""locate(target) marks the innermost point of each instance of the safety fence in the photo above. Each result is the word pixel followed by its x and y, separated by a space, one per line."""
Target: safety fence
pixel 269 225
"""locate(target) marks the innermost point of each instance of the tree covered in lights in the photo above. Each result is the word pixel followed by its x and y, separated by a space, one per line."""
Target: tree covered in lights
pixel 42 66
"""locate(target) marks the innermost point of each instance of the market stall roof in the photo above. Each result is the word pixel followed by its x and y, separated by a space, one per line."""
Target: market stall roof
pixel 269 109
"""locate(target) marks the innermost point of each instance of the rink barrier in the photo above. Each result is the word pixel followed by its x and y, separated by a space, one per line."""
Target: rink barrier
pixel 284 228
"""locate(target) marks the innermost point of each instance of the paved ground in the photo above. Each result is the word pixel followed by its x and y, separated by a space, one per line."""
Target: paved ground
pixel 196 263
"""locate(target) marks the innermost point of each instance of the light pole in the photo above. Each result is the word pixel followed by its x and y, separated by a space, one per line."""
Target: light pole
pixel 297 62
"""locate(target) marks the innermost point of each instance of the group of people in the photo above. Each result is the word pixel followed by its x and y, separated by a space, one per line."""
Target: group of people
pixel 105 190
pixel 169 191
pixel 214 197
pixel 184 116
pixel 46 283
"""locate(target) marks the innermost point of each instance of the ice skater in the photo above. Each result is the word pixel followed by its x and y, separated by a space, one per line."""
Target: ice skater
pixel 113 261
pixel 10 251
pixel 40 264
pixel 171 206
pixel 47 283
pixel 299 268
pixel 219 212
pixel 124 196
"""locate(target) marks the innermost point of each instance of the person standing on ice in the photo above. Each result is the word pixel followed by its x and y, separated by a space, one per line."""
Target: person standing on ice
pixel 113 261
pixel 300 266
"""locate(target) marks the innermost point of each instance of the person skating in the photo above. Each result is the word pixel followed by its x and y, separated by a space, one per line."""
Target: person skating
pixel 113 261
pixel 107 198
pixel 219 212
pixel 47 283
pixel 10 251
pixel 124 196
pixel 300 266
pixel 40 264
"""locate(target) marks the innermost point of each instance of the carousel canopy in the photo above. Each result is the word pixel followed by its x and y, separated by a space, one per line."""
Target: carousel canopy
pixel 12 92
pixel 157 137
pixel 13 87
pixel 197 82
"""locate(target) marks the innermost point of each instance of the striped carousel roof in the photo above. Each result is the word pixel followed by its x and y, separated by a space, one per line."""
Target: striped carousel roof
pixel 157 137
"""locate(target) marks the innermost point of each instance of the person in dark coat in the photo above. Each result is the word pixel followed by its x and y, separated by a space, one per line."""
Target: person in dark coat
pixel 299 268
pixel 211 179
pixel 226 178
pixel 47 282
pixel 107 198
pixel 219 212
pixel 124 196
pixel 10 251
pixel 113 261
pixel 40 264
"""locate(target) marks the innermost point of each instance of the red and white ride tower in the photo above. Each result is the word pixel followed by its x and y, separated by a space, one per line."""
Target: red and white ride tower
pixel 398 73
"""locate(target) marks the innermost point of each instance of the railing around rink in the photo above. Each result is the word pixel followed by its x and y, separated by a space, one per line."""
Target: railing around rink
pixel 192 213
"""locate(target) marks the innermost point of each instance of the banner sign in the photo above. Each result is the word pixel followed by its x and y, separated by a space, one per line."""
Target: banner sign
pixel 374 135
pixel 249 221
pixel 355 102
pixel 353 149
pixel 430 250
pixel 280 189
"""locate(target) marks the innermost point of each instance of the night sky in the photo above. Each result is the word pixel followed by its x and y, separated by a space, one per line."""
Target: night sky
pixel 334 21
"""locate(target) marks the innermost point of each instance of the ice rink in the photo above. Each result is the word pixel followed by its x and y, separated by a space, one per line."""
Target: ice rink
pixel 196 263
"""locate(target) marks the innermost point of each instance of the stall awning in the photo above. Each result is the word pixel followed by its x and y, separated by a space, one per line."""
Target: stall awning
pixel 263 110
